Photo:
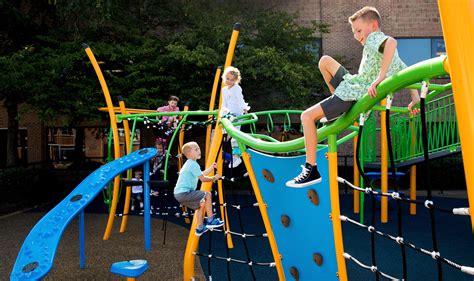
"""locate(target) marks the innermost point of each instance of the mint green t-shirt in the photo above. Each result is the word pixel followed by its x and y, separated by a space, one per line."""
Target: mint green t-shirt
pixel 188 177
pixel 354 86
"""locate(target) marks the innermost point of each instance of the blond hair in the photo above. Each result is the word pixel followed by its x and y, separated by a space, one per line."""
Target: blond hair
pixel 234 71
pixel 368 13
pixel 188 146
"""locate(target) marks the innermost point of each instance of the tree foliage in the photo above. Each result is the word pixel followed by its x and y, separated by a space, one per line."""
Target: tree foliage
pixel 150 50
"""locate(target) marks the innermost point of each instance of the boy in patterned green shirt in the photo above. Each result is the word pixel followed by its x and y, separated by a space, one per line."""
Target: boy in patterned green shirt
pixel 379 60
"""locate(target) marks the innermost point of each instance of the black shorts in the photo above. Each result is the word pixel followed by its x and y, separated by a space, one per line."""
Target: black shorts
pixel 333 106
pixel 338 77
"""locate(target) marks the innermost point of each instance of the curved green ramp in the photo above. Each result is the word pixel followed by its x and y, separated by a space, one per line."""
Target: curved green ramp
pixel 428 69
pixel 36 256
pixel 309 229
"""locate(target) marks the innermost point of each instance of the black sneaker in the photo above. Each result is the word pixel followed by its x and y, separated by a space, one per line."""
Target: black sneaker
pixel 309 175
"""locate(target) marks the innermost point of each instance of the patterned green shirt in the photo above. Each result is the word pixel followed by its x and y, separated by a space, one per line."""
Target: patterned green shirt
pixel 354 86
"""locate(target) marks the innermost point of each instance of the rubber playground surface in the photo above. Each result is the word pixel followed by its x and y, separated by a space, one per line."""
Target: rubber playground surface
pixel 166 261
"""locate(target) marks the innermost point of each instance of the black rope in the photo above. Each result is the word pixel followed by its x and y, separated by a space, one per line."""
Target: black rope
pixel 226 241
pixel 424 138
pixel 245 235
pixel 209 260
pixel 374 209
pixel 240 206
pixel 229 260
pixel 400 240
pixel 403 198
pixel 227 232
pixel 394 175
pixel 245 245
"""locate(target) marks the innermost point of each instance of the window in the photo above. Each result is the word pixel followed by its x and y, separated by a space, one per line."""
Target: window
pixel 315 48
pixel 414 50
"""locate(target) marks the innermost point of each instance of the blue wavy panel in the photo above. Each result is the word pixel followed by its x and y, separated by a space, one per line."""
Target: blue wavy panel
pixel 37 253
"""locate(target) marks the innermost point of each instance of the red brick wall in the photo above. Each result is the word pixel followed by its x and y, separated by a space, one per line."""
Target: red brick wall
pixel 405 18
pixel 35 133
pixel 37 138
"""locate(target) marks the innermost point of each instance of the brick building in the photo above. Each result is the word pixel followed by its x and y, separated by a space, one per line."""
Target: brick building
pixel 415 23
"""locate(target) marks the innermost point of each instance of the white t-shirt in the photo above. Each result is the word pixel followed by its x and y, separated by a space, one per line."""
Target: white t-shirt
pixel 137 188
pixel 233 100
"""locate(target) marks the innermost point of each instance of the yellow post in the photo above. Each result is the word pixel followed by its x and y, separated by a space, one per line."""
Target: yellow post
pixel 335 208
pixel 128 193
pixel 457 20
pixel 220 191
pixel 384 164
pixel 113 123
pixel 193 240
pixel 181 141
pixel 212 102
pixel 266 221
pixel 181 157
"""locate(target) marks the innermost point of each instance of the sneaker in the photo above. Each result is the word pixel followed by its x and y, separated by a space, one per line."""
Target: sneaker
pixel 201 231
pixel 309 175
pixel 215 223
pixel 236 160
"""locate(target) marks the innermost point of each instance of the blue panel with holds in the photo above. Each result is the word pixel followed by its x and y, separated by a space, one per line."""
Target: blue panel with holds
pixel 302 227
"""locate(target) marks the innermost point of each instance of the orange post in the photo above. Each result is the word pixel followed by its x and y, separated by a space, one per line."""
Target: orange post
pixel 193 240
pixel 384 164
pixel 356 176
pixel 217 77
pixel 412 169
pixel 113 123
pixel 126 129
pixel 457 20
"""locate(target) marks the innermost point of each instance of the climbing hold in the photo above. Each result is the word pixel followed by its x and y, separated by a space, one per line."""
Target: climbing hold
pixel 268 175
pixel 30 267
pixel 76 198
pixel 285 220
pixel 313 197
pixel 318 259
pixel 294 273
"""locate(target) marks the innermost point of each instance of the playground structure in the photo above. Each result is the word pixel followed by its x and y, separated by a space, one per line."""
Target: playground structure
pixel 293 244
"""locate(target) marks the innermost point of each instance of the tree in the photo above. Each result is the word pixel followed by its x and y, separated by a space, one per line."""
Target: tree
pixel 150 50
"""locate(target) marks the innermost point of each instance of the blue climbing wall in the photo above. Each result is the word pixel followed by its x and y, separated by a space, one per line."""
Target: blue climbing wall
pixel 310 230
pixel 36 255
